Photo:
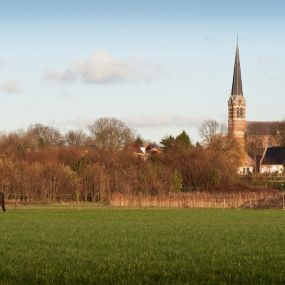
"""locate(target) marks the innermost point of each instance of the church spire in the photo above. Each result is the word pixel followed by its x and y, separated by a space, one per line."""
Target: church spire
pixel 237 83
pixel 237 106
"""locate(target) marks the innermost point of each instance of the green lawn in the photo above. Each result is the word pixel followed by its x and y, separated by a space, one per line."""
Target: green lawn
pixel 141 246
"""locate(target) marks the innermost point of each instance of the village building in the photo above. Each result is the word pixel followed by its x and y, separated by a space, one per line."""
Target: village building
pixel 273 160
pixel 254 137
pixel 145 150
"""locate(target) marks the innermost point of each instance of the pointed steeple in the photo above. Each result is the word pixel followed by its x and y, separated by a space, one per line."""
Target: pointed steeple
pixel 237 83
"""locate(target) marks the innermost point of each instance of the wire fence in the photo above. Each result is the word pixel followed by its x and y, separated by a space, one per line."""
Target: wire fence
pixel 11 198
pixel 169 200
pixel 192 200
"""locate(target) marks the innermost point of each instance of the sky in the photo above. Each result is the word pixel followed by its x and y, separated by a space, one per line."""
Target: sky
pixel 159 66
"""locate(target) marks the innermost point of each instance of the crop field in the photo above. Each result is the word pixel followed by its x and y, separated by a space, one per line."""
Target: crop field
pixel 101 245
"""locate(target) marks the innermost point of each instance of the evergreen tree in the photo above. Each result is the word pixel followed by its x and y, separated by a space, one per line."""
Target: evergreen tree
pixel 167 142
pixel 184 139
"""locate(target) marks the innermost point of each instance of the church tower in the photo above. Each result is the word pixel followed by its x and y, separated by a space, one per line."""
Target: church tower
pixel 237 105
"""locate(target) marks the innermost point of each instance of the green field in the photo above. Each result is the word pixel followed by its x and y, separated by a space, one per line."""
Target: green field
pixel 141 246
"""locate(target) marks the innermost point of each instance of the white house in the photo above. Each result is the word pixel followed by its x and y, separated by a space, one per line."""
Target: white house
pixel 273 160
pixel 248 165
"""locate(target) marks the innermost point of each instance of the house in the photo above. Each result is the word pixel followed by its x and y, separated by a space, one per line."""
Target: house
pixel 273 160
pixel 144 151
pixel 248 165
pixel 152 148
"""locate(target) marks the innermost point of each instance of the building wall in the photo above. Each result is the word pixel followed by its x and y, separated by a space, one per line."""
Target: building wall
pixel 237 118
pixel 245 170
pixel 278 168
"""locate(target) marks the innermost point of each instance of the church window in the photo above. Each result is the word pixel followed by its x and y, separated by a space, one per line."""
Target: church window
pixel 240 113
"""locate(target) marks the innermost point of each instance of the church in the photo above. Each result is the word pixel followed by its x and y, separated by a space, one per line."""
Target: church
pixel 253 136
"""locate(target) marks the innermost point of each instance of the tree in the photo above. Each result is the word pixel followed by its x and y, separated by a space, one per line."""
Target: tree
pixel 11 145
pixel 75 138
pixel 254 146
pixel 279 134
pixel 111 134
pixel 211 130
pixel 184 139
pixel 139 140
pixel 177 181
pixel 167 142
pixel 41 135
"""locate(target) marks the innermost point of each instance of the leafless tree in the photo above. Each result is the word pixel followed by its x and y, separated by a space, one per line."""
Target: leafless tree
pixel 210 130
pixel 75 138
pixel 254 146
pixel 42 135
pixel 279 134
pixel 111 134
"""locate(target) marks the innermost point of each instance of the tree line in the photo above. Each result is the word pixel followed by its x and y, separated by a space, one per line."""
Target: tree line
pixel 42 164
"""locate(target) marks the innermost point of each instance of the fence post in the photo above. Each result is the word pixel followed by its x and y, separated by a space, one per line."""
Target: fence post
pixel 77 200
pixel 283 198
pixel 15 202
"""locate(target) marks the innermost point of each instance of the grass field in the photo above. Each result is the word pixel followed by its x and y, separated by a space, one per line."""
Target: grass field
pixel 141 246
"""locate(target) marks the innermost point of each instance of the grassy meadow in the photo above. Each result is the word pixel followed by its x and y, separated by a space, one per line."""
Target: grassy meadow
pixel 101 245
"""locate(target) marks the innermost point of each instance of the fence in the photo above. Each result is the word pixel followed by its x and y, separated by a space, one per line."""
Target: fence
pixel 267 181
pixel 190 200
pixel 42 199
pixel 170 200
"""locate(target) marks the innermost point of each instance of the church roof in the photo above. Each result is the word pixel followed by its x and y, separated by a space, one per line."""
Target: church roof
pixel 274 155
pixel 262 128
pixel 237 83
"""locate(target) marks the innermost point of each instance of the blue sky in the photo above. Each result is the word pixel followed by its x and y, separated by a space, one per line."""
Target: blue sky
pixel 160 66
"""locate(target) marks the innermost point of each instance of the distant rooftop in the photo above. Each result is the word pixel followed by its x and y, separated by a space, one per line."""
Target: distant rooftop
pixel 262 128
pixel 274 155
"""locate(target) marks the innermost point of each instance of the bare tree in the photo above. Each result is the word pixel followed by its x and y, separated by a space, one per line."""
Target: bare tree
pixel 42 135
pixel 75 138
pixel 210 130
pixel 279 133
pixel 254 146
pixel 111 134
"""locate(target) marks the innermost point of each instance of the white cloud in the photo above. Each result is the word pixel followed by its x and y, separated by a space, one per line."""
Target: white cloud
pixel 10 87
pixel 163 120
pixel 68 124
pixel 154 121
pixel 102 68
pixel 60 76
